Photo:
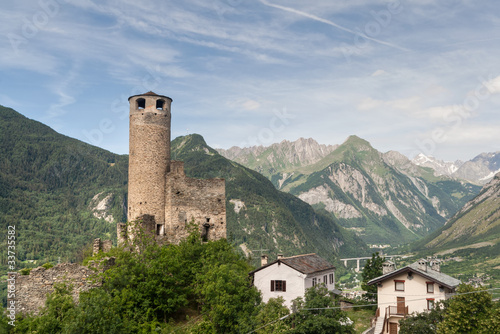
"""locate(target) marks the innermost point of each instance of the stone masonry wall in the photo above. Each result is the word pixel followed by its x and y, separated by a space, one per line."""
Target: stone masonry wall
pixel 32 289
pixel 201 201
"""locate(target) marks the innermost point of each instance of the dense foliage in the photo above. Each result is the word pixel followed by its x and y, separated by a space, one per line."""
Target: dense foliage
pixel 316 314
pixel 471 310
pixel 423 322
pixel 150 290
pixel 372 269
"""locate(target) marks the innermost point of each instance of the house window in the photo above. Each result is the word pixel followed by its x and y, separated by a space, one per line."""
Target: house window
pixel 325 279
pixel 399 285
pixel 430 287
pixel 315 281
pixel 277 285
pixel 430 303
pixel 332 279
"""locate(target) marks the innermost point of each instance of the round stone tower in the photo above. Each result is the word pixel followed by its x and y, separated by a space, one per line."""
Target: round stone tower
pixel 149 156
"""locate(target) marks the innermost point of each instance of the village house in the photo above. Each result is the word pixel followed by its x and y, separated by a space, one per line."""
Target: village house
pixel 414 288
pixel 289 277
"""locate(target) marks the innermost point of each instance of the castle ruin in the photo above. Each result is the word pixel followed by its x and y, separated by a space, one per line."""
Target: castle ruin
pixel 162 201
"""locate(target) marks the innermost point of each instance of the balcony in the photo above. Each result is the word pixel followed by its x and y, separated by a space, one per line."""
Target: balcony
pixel 396 311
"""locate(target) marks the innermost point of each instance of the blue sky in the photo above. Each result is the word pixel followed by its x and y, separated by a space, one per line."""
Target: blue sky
pixel 412 76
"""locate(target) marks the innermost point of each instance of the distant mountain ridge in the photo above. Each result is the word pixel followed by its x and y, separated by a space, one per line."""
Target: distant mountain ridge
pixel 384 198
pixel 479 170
pixel 280 156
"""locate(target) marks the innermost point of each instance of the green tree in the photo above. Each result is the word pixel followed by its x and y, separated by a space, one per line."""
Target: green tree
pixel 372 269
pixel 423 322
pixel 228 301
pixel 317 316
pixel 4 322
pixel 467 311
pixel 269 315
pixel 97 313
pixel 492 323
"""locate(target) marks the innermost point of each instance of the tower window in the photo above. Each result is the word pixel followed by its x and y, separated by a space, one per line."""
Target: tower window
pixel 160 104
pixel 141 103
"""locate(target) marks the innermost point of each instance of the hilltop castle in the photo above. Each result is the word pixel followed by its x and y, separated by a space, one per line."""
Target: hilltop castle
pixel 161 200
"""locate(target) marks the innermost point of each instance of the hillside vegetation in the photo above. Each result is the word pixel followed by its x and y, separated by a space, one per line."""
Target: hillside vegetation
pixel 47 183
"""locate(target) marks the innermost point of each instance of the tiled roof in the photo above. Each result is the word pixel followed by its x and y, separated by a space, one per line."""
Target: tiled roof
pixel 306 264
pixel 433 275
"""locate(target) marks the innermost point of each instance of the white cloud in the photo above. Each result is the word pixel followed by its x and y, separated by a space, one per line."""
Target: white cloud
pixel 378 73
pixel 405 104
pixel 243 104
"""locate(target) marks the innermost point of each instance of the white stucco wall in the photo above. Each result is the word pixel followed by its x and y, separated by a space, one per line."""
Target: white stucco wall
pixel 319 278
pixel 296 282
pixel 415 293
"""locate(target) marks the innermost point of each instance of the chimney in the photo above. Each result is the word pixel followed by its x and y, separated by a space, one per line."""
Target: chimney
pixel 388 266
pixel 263 260
pixel 422 265
pixel 280 256
pixel 436 265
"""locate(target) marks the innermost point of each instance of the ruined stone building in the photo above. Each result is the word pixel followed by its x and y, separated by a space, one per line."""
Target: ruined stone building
pixel 161 199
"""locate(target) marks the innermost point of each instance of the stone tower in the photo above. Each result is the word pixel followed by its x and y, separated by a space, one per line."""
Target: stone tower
pixel 162 200
pixel 149 156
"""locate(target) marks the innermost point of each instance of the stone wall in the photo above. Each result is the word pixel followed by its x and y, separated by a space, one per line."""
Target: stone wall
pixel 194 200
pixel 101 245
pixel 32 289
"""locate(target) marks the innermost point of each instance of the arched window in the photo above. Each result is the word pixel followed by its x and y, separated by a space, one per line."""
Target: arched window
pixel 160 104
pixel 141 103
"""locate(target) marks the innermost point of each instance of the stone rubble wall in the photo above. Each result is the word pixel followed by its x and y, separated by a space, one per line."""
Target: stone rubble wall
pixel 32 289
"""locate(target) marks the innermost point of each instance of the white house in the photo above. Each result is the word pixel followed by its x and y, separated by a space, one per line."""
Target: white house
pixel 414 288
pixel 289 277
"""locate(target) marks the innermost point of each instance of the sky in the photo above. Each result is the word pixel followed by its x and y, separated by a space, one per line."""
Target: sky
pixel 415 76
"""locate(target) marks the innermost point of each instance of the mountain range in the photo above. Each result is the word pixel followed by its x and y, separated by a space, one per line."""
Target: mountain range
pixel 61 193
pixel 479 170
pixel 384 197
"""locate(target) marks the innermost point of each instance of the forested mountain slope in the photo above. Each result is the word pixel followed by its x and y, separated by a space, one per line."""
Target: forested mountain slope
pixel 47 185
